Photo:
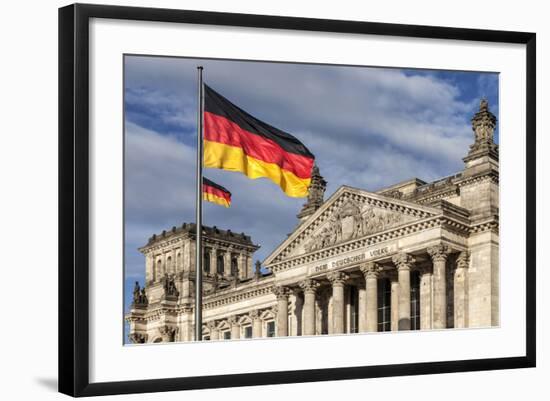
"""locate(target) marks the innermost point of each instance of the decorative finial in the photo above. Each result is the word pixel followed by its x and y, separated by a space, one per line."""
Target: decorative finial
pixel 483 125
pixel 316 194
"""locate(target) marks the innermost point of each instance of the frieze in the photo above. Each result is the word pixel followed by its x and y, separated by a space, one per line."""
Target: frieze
pixel 367 203
pixel 350 222
pixel 352 260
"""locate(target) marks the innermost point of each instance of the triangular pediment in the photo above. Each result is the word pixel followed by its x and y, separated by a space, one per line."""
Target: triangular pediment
pixel 349 214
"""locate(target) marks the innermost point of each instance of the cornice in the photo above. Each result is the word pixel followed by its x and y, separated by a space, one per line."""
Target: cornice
pixel 321 216
pixel 391 234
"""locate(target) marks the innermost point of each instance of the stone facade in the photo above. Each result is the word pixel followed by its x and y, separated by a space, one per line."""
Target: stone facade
pixel 415 255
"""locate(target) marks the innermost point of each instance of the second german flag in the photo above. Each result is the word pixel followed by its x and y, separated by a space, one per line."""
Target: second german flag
pixel 236 141
pixel 215 193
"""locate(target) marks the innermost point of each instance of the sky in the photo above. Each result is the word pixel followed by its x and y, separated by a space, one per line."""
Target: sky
pixel 368 127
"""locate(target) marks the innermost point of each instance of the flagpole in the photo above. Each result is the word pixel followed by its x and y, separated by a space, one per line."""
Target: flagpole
pixel 198 253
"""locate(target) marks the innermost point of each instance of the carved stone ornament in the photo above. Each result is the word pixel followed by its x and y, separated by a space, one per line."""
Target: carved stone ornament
pixel 309 286
pixel 403 261
pixel 351 222
pixel 371 270
pixel 463 260
pixel 483 125
pixel 138 338
pixel 439 253
pixel 233 320
pixel 139 296
pixel 281 292
pixel 254 314
pixel 170 289
pixel 168 333
pixel 337 278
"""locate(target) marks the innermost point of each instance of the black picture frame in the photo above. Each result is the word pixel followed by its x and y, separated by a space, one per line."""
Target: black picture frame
pixel 74 198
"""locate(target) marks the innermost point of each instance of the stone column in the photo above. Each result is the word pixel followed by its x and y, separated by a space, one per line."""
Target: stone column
pixel 460 288
pixel 394 301
pixel 186 323
pixel 213 260
pixel 235 327
pixel 256 324
pixel 426 298
pixel 439 255
pixel 214 333
pixel 227 262
pixel 362 300
pixel 337 280
pixel 371 272
pixel 149 268
pixel 404 263
pixel 282 294
pixel 241 264
pixel 309 287
pixel 249 267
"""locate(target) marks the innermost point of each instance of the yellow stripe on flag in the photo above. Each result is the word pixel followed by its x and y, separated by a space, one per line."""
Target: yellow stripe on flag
pixel 225 157
pixel 207 196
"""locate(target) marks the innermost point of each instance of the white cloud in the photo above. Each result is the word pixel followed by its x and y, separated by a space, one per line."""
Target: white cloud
pixel 367 127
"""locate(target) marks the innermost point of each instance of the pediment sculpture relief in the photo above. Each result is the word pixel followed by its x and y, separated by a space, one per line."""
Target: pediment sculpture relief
pixel 353 221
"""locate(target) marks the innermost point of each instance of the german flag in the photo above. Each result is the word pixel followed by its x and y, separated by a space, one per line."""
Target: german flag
pixel 236 141
pixel 215 193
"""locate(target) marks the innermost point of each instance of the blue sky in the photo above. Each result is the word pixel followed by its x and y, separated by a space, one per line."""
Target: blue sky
pixel 367 127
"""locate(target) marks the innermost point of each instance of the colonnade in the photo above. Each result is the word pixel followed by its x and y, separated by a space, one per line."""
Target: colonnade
pixel 433 294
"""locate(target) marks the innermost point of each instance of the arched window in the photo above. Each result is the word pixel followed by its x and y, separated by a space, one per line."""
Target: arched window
pixel 159 270
pixel 234 266
pixel 219 264
pixel 206 260
pixel 169 265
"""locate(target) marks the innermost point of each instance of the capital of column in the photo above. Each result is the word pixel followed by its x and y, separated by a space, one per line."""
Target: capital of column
pixel 337 278
pixel 254 314
pixel 439 253
pixel 211 325
pixel 370 270
pixel 309 286
pixel 168 333
pixel 233 320
pixel 463 260
pixel 281 292
pixel 403 261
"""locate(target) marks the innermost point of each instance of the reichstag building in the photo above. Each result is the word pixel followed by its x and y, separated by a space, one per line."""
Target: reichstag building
pixel 414 256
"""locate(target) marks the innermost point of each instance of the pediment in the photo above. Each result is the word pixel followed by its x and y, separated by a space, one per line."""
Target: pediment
pixel 349 214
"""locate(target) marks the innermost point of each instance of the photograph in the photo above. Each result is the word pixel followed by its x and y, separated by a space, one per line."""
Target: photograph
pixel 333 199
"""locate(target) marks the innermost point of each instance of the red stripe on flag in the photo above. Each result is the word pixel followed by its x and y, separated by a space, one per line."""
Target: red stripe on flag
pixel 220 129
pixel 215 191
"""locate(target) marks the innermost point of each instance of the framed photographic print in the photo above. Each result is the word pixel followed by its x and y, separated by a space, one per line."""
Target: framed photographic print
pixel 349 180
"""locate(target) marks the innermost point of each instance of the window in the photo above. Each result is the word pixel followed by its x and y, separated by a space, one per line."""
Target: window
pixel 450 273
pixel 354 310
pixel 159 270
pixel 234 266
pixel 227 335
pixel 219 264
pixel 384 305
pixel 248 332
pixel 206 263
pixel 270 329
pixel 415 300
pixel 169 265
